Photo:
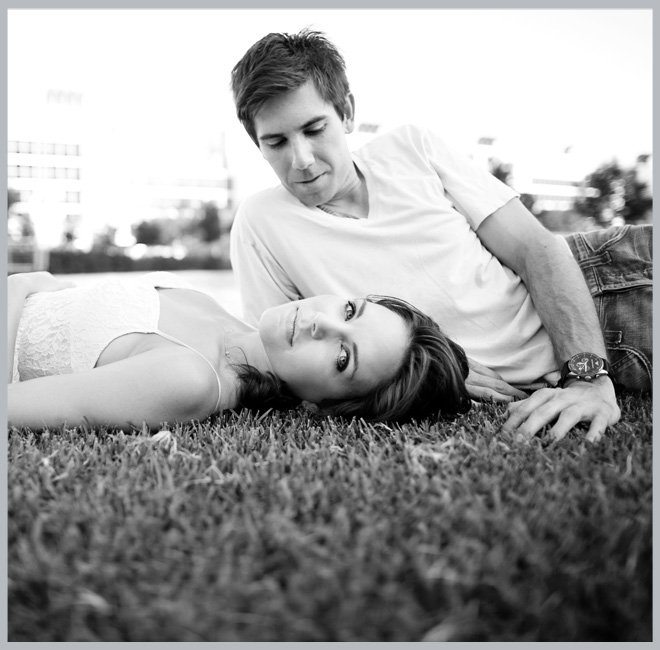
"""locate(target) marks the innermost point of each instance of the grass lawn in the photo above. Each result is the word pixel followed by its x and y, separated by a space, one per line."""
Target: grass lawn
pixel 286 528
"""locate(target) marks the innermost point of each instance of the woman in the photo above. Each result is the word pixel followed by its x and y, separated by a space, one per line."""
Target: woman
pixel 126 353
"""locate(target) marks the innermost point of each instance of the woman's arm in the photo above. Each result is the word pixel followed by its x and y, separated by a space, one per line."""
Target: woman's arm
pixel 161 385
pixel 19 287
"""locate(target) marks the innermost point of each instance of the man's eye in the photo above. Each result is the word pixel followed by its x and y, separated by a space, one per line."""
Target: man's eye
pixel 342 359
pixel 275 144
pixel 349 310
pixel 316 131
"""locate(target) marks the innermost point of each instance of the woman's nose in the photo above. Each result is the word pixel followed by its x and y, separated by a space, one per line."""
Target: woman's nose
pixel 321 326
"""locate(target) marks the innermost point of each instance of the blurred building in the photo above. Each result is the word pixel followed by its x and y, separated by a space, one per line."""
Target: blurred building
pixel 45 164
pixel 47 179
pixel 553 179
pixel 75 179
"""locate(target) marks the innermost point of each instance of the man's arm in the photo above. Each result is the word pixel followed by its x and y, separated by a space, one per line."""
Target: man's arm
pixel 564 304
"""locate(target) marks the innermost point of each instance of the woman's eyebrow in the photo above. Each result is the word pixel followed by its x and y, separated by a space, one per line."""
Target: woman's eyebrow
pixel 355 359
pixel 363 304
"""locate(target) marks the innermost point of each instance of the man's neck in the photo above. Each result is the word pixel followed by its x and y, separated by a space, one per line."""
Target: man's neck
pixel 353 201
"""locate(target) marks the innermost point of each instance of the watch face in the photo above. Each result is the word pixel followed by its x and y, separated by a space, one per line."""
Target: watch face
pixel 585 363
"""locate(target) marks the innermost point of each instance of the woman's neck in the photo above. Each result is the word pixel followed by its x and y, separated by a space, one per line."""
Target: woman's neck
pixel 241 346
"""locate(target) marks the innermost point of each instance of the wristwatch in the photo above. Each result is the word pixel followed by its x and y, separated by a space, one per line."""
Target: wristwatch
pixel 584 366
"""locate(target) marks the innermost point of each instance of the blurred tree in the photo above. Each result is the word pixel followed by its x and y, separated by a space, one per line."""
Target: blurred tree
pixel 501 170
pixel 70 234
pixel 209 224
pixel 637 198
pixel 596 205
pixel 104 240
pixel 615 193
pixel 504 172
pixel 13 196
pixel 156 232
pixel 19 224
pixel 528 201
pixel 147 232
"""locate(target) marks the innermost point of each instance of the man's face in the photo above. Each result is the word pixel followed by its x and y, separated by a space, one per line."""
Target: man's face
pixel 304 140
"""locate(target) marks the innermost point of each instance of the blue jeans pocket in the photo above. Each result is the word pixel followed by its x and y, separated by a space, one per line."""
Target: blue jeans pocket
pixel 631 368
pixel 617 264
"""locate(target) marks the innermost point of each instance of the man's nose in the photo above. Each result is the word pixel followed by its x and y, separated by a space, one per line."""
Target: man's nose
pixel 302 155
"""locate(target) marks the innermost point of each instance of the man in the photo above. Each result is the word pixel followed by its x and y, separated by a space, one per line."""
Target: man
pixel 409 217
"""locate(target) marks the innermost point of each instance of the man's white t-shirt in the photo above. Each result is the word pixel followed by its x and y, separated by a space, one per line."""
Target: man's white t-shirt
pixel 418 243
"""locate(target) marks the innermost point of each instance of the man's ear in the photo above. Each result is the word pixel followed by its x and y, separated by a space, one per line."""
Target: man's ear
pixel 349 113
pixel 310 407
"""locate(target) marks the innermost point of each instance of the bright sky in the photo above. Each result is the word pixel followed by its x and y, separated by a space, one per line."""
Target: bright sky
pixel 538 80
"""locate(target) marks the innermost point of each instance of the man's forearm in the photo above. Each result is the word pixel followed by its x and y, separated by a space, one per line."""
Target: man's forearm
pixel 562 300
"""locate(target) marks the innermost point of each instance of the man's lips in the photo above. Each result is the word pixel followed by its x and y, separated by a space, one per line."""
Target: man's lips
pixel 309 181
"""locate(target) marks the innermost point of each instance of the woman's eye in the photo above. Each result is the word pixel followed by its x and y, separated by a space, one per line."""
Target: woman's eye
pixel 342 360
pixel 349 310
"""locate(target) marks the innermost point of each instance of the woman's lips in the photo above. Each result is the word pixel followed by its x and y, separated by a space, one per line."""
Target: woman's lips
pixel 293 327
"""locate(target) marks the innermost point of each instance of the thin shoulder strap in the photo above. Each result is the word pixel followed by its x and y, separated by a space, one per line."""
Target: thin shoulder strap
pixel 185 345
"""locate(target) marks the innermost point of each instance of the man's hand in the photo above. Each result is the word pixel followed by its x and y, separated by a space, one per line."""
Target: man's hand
pixel 485 384
pixel 592 402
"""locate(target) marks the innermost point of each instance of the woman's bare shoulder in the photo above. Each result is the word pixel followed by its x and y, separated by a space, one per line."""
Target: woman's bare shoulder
pixel 188 379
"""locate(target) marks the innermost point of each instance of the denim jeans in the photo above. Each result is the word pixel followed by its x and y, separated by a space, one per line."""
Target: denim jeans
pixel 617 264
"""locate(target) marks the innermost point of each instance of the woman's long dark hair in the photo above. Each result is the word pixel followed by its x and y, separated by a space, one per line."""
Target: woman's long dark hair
pixel 430 380
pixel 260 391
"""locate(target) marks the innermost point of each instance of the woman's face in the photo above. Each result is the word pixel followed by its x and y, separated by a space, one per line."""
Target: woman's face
pixel 327 347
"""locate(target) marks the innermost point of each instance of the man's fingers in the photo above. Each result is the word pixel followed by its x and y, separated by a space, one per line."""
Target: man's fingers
pixel 482 370
pixel 542 416
pixel 568 420
pixel 482 394
pixel 482 376
pixel 597 429
pixel 491 388
pixel 565 422
pixel 519 412
pixel 563 409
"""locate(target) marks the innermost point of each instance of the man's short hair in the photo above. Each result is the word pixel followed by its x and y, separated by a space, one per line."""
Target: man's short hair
pixel 281 62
